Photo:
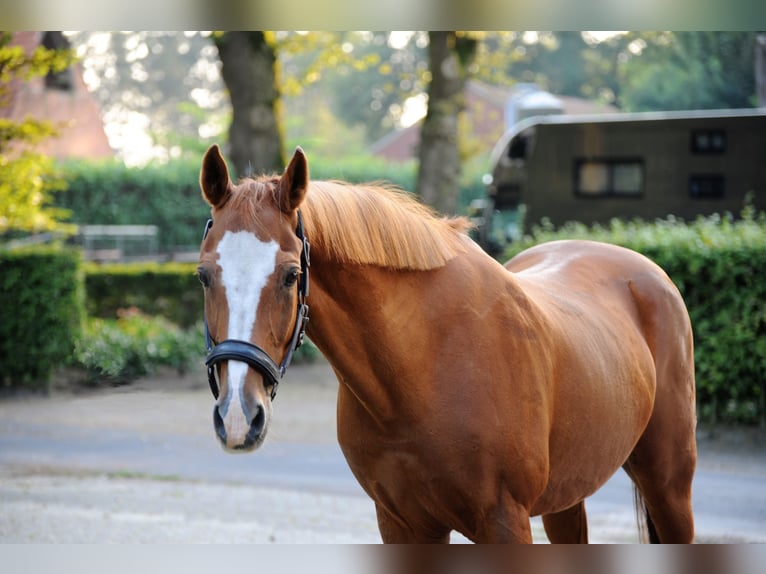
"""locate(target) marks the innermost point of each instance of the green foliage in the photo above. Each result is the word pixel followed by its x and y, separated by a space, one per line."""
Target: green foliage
pixel 364 169
pixel 168 195
pixel 164 195
pixel 634 71
pixel 567 63
pixel 41 296
pixel 135 345
pixel 718 264
pixel 170 290
pixel 143 316
pixel 363 77
pixel 690 70
pixel 315 127
pixel 306 353
pixel 28 179
pixel 118 351
pixel 27 184
pixel 15 63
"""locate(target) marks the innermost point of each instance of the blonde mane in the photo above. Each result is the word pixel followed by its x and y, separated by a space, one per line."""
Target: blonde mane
pixel 379 225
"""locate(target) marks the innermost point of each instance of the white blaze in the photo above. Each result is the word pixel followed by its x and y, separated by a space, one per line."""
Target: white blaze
pixel 246 265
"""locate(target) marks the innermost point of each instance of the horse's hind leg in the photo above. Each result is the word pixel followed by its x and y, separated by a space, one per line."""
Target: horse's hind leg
pixel 663 478
pixel 663 461
pixel 569 526
pixel 662 464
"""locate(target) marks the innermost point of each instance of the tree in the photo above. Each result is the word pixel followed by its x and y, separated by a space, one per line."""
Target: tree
pixel 691 70
pixel 249 71
pixel 450 57
pixel 160 92
pixel 371 87
pixel 170 82
pixel 28 179
pixel 565 63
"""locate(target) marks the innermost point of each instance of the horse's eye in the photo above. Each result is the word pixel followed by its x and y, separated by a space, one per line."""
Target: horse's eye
pixel 292 277
pixel 203 276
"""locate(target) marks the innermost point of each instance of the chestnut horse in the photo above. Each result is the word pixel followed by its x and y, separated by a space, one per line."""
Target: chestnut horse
pixel 471 395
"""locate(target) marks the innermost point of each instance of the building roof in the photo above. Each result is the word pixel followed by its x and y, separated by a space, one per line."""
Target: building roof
pixel 485 107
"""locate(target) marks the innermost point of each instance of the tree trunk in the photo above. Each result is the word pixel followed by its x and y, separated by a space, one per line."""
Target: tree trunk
pixel 249 70
pixel 439 173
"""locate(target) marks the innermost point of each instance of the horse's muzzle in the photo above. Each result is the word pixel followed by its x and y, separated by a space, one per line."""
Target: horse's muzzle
pixel 230 432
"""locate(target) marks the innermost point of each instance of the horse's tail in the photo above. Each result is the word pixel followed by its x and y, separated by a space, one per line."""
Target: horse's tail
pixel 646 529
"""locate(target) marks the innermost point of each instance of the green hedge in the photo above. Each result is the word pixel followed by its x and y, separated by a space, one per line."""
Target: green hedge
pixel 41 298
pixel 108 193
pixel 719 265
pixel 146 315
pixel 170 290
pixel 169 196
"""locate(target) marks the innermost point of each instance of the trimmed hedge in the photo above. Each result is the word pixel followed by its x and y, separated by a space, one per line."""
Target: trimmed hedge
pixel 145 315
pixel 168 196
pixel 41 297
pixel 109 193
pixel 170 290
pixel 719 265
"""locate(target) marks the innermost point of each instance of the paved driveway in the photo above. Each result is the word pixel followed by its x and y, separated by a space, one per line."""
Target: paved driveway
pixel 141 464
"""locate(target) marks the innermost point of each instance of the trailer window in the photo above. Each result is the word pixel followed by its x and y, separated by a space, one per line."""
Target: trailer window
pixel 708 141
pixel 627 178
pixel 609 178
pixel 708 186
pixel 518 147
pixel 593 178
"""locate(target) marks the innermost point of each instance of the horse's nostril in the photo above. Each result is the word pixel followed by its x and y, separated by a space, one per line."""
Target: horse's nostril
pixel 257 425
pixel 220 429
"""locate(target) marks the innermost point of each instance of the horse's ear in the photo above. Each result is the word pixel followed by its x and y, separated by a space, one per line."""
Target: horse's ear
pixel 214 177
pixel 294 182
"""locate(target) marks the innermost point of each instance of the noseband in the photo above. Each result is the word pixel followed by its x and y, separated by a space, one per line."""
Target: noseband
pixel 253 355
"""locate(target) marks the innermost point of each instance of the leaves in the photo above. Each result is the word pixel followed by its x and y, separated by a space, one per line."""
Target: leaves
pixel 28 179
pixel 27 184
pixel 41 296
pixel 691 70
pixel 169 195
pixel 135 345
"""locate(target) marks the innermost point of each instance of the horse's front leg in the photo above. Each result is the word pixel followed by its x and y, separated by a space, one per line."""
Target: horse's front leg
pixel 507 523
pixel 394 530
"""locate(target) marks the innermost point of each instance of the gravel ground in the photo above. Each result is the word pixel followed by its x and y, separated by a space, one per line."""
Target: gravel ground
pixel 108 509
pixel 105 497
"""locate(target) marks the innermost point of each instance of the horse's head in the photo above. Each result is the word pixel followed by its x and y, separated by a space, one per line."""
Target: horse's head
pixel 253 266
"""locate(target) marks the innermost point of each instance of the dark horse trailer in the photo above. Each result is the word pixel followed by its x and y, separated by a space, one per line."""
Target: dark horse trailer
pixel 647 165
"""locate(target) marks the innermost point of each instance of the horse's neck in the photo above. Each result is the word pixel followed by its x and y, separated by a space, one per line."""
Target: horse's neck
pixel 381 330
pixel 354 325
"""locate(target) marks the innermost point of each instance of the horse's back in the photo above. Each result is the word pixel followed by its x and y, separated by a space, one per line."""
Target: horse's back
pixel 598 272
pixel 592 259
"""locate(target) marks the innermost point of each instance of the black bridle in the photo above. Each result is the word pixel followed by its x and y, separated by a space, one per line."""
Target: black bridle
pixel 253 355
